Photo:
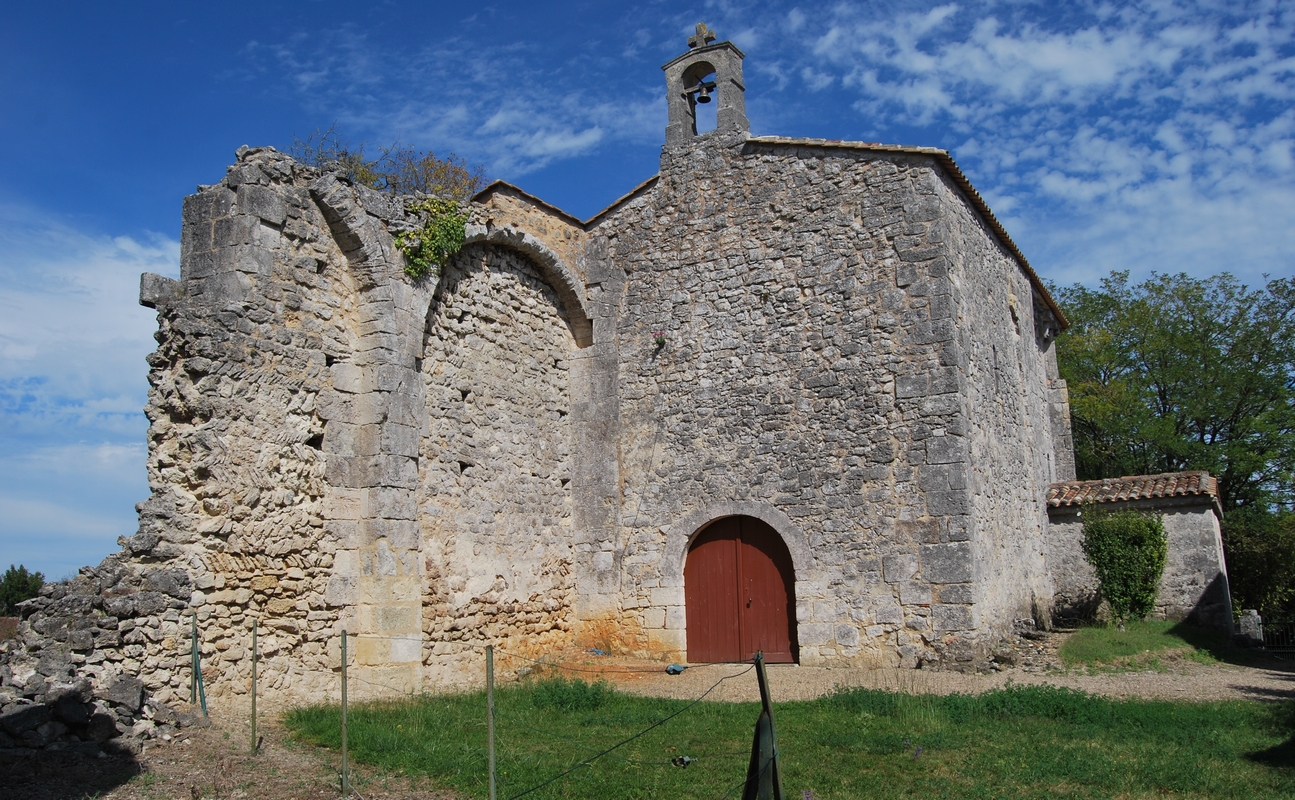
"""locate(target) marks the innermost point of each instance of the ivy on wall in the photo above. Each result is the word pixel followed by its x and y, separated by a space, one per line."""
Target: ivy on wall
pixel 439 238
pixel 1127 550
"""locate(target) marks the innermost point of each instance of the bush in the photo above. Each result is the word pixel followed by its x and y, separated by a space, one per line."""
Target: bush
pixel 399 169
pixel 1127 550
pixel 16 586
pixel 1259 547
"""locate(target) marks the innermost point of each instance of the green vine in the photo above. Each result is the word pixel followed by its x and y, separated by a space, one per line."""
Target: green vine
pixel 1127 550
pixel 437 240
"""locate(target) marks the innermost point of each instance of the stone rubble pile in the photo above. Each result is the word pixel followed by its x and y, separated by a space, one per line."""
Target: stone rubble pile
pixel 68 679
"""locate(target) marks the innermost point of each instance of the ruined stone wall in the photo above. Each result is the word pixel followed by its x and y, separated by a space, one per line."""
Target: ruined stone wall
pixel 559 231
pixel 793 287
pixel 1009 458
pixel 234 528
pixel 495 470
pixel 315 463
pixel 235 457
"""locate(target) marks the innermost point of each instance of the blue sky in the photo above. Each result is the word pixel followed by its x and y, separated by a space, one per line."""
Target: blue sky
pixel 1148 136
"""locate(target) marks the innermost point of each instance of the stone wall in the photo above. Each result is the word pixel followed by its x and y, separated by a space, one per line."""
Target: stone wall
pixel 1006 457
pixel 67 680
pixel 235 439
pixel 1194 586
pixel 495 463
pixel 432 416
pixel 811 369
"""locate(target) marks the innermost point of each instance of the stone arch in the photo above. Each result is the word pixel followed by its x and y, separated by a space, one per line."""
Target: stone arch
pixel 682 533
pixel 556 271
pixel 493 490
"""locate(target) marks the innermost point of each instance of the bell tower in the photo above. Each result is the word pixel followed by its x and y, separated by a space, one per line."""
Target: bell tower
pixel 710 70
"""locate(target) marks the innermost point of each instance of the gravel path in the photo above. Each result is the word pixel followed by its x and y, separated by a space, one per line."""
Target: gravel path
pixel 790 682
pixel 1179 679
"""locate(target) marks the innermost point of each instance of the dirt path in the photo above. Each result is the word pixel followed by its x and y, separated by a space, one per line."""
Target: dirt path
pixel 214 763
pixel 1036 662
pixel 1184 681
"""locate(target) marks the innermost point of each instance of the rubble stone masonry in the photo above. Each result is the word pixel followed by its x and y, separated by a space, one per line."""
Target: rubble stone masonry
pixel 517 448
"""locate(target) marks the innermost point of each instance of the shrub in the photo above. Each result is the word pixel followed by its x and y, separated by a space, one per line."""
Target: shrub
pixel 399 168
pixel 16 586
pixel 1127 550
pixel 439 238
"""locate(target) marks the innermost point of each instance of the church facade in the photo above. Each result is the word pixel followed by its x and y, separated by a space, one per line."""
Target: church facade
pixel 788 395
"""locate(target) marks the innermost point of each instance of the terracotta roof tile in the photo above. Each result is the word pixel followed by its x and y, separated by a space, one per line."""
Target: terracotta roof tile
pixel 1134 487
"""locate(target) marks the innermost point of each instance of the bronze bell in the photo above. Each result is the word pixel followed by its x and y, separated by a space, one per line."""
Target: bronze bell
pixel 703 96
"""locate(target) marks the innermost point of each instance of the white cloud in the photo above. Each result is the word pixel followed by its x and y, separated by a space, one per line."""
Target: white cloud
pixel 73 336
pixel 1145 133
pixel 73 383
pixel 1154 136
pixel 491 103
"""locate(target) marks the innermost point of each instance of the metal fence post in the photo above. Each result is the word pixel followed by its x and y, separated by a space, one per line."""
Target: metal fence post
pixel 346 778
pixel 193 662
pixel 197 690
pixel 254 655
pixel 490 715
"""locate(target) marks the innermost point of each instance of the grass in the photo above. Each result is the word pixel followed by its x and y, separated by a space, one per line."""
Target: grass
pixel 1143 644
pixel 1022 742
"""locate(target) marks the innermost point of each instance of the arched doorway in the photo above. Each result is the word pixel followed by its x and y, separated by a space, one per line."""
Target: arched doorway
pixel 740 593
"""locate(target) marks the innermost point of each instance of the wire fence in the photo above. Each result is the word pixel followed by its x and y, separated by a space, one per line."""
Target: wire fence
pixel 587 754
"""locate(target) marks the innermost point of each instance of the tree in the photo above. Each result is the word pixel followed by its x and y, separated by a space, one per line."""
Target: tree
pixel 16 586
pixel 1260 553
pixel 1181 373
pixel 399 169
pixel 1127 550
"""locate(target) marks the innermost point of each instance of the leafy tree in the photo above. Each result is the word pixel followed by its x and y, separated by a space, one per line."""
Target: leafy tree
pixel 1183 373
pixel 16 586
pixel 1260 552
pixel 399 169
pixel 1127 550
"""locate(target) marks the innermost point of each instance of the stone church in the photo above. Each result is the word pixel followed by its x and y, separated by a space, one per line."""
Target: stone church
pixel 790 395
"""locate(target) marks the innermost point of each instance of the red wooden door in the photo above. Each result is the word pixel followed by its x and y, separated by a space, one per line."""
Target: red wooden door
pixel 739 588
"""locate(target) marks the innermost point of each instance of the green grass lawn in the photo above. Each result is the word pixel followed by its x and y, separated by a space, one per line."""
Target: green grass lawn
pixel 1144 643
pixel 1020 742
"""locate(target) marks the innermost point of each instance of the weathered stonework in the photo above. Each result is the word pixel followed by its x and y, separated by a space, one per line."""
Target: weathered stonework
pixel 1194 585
pixel 836 339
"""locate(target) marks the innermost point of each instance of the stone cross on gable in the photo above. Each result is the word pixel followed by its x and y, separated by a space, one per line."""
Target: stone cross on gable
pixel 704 36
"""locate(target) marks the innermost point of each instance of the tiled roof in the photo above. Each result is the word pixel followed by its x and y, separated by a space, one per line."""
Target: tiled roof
pixel 1134 487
